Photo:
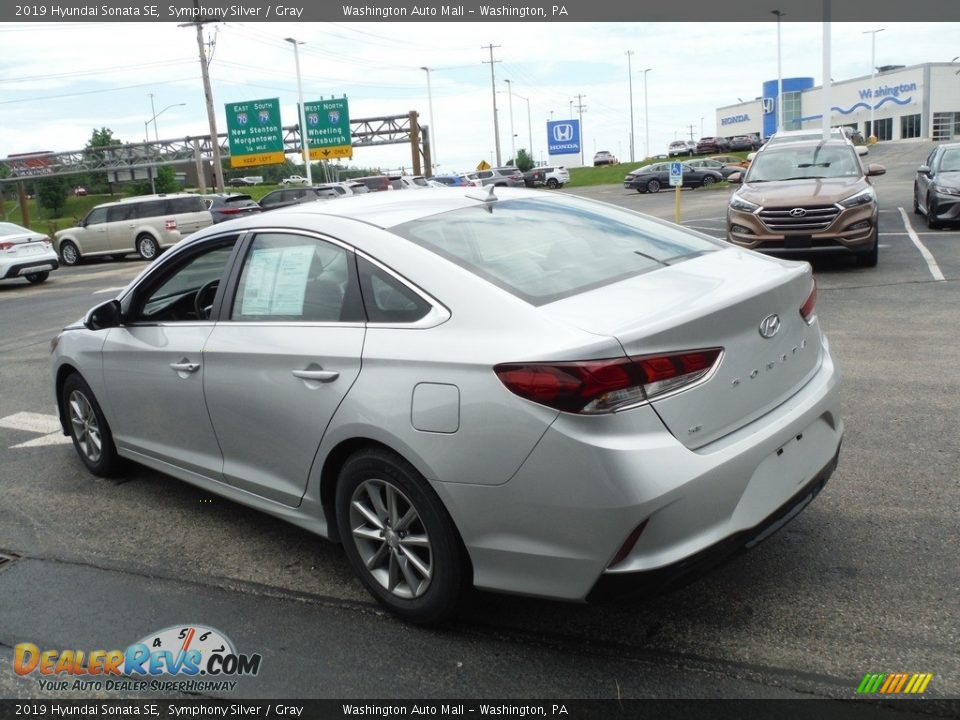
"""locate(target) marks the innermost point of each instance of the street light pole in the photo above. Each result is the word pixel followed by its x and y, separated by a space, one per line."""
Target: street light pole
pixel 156 133
pixel 779 15
pixel 513 144
pixel 529 125
pixel 646 116
pixel 304 143
pixel 630 80
pixel 433 130
pixel 873 74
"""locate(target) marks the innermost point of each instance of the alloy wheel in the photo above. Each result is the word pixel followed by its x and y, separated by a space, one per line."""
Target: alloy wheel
pixel 86 429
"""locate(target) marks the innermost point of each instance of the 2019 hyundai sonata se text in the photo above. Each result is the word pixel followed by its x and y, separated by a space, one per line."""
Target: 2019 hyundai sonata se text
pixel 522 392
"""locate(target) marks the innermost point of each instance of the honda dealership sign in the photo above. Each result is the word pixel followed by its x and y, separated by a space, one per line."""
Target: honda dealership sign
pixel 563 137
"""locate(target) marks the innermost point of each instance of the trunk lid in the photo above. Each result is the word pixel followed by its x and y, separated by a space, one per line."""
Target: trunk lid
pixel 716 300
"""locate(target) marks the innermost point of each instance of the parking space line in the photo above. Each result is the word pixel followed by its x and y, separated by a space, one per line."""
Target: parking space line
pixel 106 290
pixel 927 256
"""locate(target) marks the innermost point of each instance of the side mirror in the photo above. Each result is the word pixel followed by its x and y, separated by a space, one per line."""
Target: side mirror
pixel 751 156
pixel 862 150
pixel 924 170
pixel 874 169
pixel 735 178
pixel 104 316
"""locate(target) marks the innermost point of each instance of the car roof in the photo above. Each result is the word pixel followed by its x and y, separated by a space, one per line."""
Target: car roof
pixel 384 210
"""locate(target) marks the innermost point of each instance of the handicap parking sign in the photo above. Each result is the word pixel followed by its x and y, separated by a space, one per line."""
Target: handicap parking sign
pixel 676 174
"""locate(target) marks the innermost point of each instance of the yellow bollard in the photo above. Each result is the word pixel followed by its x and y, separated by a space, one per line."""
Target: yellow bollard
pixel 676 204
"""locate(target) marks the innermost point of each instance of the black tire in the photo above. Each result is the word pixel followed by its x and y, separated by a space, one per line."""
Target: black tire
pixel 147 248
pixel 869 258
pixel 916 202
pixel 416 596
pixel 708 180
pixel 552 183
pixel 69 253
pixel 931 215
pixel 37 277
pixel 88 428
pixel 653 186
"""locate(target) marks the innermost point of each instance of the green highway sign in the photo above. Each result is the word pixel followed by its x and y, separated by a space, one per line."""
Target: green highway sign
pixel 328 129
pixel 255 133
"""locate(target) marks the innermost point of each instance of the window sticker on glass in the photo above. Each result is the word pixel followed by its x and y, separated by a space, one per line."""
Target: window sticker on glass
pixel 275 280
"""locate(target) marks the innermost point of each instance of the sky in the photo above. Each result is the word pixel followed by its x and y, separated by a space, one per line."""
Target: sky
pixel 60 81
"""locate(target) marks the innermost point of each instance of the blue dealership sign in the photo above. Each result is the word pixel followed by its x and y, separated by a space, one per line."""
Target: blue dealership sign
pixel 563 137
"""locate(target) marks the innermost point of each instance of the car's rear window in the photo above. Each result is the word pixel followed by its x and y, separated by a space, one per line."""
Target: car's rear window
pixel 546 250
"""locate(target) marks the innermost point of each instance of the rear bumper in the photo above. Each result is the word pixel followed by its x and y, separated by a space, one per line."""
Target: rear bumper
pixel 554 529
pixel 656 581
pixel 27 267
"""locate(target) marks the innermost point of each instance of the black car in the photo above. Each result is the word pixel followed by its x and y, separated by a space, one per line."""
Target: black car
pixel 936 189
pixel 534 178
pixel 295 196
pixel 650 178
pixel 724 169
pixel 229 206
pixel 240 182
pixel 708 145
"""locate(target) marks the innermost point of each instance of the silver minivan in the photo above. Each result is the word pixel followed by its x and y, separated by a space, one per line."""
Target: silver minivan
pixel 146 225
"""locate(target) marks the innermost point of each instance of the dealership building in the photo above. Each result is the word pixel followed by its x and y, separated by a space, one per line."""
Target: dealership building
pixel 915 102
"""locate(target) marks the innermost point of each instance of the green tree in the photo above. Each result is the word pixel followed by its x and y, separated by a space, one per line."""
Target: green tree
pixel 52 194
pixel 100 139
pixel 524 161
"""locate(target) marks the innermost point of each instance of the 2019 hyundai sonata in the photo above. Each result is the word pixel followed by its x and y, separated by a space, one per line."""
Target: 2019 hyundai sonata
pixel 528 393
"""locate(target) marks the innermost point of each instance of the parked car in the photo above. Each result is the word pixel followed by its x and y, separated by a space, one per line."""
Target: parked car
pixel 145 224
pixel 682 147
pixel 229 206
pixel 501 177
pixel 452 180
pixel 710 164
pixel 552 176
pixel 743 142
pixel 730 160
pixel 25 254
pixel 473 179
pixel 246 181
pixel 650 178
pixel 604 157
pixel 707 145
pixel 80 191
pixel 936 189
pixel 807 198
pixel 530 392
pixel 296 196
pixel 295 180
pixel 378 183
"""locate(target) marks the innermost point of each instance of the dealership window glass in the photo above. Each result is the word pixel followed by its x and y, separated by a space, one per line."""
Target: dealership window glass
pixel 910 126
pixel 791 110
pixel 292 278
pixel 884 129
pixel 946 126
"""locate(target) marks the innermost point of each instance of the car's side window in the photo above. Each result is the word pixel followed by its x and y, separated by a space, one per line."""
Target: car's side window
pixel 386 299
pixel 295 278
pixel 185 292
pixel 96 216
pixel 119 213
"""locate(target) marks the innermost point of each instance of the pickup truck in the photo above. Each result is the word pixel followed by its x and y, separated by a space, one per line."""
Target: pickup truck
pixel 294 180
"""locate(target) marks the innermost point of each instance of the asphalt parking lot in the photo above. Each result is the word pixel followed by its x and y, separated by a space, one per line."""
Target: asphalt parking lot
pixel 864 580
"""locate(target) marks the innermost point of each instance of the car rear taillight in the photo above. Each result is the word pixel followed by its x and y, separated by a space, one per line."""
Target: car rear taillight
pixel 806 310
pixel 232 211
pixel 6 245
pixel 170 224
pixel 592 387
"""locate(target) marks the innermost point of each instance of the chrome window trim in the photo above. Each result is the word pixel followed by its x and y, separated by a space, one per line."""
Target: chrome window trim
pixel 437 315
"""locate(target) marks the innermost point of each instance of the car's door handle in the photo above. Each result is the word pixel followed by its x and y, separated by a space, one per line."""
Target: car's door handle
pixel 185 366
pixel 321 375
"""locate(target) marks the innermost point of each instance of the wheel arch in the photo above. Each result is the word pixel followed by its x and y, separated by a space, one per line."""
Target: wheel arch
pixel 63 372
pixel 330 472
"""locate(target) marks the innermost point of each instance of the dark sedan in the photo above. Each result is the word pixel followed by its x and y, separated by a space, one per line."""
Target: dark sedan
pixel 724 169
pixel 936 189
pixel 650 178
pixel 295 196
pixel 708 145
pixel 228 206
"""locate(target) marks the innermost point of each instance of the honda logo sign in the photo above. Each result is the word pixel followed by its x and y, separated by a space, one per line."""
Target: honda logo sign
pixel 563 137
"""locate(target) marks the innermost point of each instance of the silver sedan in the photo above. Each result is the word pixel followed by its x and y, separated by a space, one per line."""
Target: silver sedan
pixel 521 392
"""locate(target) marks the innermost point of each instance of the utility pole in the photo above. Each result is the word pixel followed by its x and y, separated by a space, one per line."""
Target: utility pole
pixel 493 89
pixel 779 107
pixel 208 94
pixel 873 76
pixel 691 131
pixel 513 144
pixel 630 79
pixel 580 108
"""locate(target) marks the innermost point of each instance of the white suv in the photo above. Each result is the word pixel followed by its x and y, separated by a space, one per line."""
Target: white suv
pixel 555 176
pixel 146 225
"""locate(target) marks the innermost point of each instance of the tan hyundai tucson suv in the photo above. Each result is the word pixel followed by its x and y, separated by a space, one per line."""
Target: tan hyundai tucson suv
pixel 806 198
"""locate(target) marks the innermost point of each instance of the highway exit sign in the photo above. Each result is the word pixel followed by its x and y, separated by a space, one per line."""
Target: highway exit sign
pixel 254 133
pixel 328 129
